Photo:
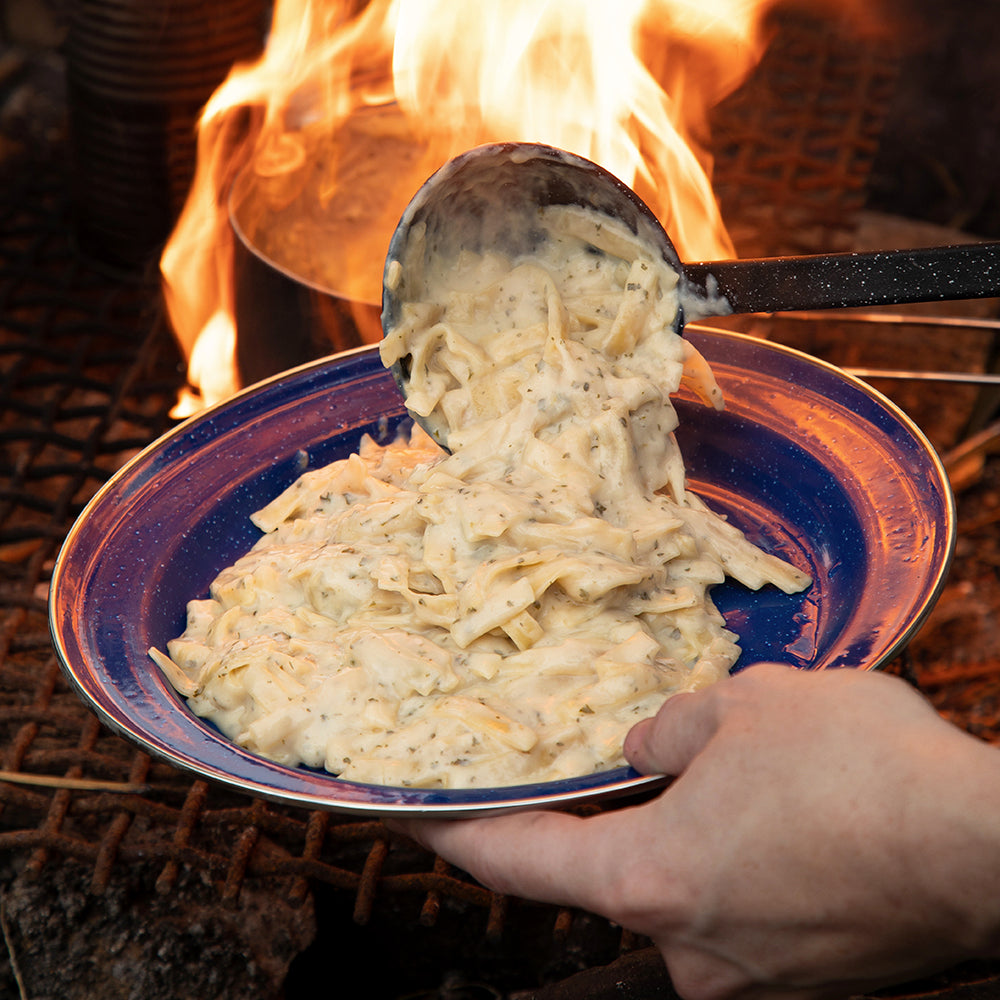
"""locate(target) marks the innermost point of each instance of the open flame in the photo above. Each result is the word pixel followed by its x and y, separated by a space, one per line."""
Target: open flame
pixel 352 106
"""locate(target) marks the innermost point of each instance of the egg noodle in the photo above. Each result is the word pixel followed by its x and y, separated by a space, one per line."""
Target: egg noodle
pixel 504 613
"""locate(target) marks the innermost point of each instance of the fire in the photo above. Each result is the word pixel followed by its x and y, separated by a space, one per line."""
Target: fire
pixel 325 138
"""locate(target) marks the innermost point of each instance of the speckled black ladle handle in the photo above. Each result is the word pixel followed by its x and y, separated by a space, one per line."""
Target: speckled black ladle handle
pixel 825 281
pixel 489 197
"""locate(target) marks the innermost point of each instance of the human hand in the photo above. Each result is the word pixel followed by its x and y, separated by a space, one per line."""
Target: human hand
pixel 827 833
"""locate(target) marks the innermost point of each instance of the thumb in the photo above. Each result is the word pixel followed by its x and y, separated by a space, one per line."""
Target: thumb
pixel 671 739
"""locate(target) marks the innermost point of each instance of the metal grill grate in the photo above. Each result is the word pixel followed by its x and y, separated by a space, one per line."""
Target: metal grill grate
pixel 790 175
pixel 88 372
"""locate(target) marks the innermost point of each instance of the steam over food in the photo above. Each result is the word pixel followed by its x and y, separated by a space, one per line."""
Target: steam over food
pixel 504 613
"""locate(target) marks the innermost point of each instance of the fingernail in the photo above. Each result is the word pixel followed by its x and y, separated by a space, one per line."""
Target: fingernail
pixel 635 738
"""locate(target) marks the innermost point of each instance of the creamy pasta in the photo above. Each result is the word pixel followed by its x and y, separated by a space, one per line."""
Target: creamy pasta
pixel 504 613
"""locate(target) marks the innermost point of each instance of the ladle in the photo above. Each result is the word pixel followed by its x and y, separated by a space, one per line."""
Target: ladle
pixel 488 198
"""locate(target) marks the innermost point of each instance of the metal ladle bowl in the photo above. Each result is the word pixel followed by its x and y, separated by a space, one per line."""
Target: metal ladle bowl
pixel 489 199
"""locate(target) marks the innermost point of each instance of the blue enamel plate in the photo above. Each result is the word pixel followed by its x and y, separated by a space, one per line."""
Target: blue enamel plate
pixel 811 463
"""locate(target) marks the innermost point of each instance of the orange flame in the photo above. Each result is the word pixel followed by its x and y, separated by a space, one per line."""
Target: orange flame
pixel 352 106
